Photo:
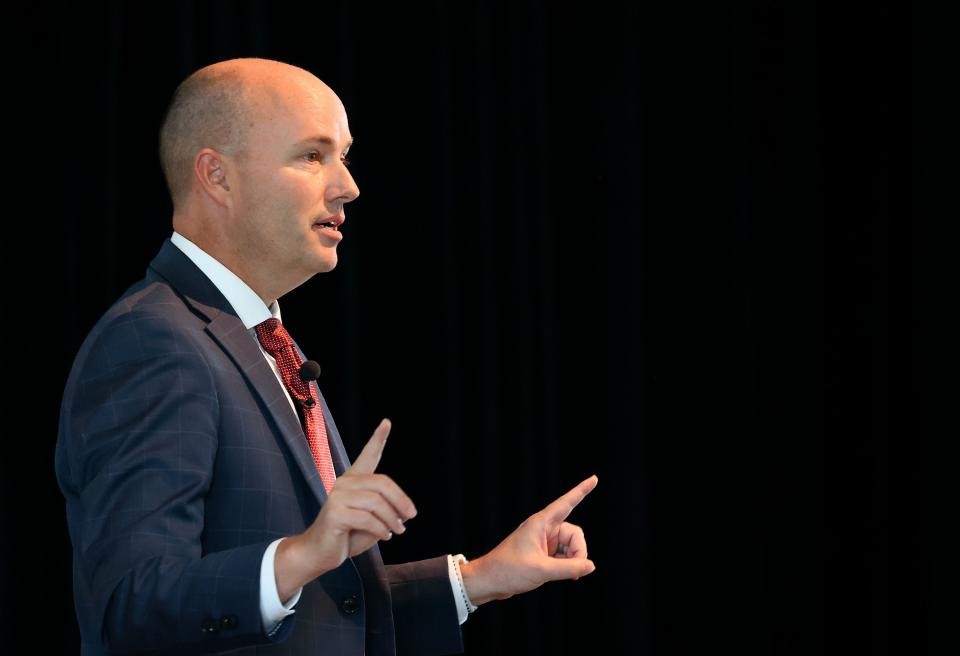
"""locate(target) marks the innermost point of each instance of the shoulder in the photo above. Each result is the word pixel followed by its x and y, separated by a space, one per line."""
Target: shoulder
pixel 149 321
pixel 141 374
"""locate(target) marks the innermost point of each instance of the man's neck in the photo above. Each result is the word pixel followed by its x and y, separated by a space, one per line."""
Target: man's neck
pixel 218 250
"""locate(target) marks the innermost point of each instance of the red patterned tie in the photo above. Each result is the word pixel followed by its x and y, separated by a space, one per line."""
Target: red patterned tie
pixel 277 342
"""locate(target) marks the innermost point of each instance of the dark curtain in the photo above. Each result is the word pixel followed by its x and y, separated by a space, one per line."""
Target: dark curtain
pixel 705 252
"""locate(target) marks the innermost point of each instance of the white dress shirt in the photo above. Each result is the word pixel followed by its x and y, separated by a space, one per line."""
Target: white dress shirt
pixel 251 310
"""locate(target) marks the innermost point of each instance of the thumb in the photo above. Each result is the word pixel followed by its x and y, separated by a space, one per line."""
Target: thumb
pixel 369 458
pixel 559 569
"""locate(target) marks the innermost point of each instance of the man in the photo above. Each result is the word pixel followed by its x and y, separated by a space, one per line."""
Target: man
pixel 201 518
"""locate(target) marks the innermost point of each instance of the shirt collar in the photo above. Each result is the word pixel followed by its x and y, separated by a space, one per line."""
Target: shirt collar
pixel 249 307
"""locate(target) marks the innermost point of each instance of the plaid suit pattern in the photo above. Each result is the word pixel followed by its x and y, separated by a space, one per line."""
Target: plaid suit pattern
pixel 180 461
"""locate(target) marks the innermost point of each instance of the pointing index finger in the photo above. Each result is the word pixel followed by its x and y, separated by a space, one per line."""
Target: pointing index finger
pixel 369 458
pixel 560 509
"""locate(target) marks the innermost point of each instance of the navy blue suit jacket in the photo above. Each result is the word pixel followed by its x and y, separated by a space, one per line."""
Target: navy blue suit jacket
pixel 181 460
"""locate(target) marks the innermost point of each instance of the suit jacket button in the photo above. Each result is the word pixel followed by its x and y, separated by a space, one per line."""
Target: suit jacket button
pixel 228 621
pixel 209 626
pixel 349 605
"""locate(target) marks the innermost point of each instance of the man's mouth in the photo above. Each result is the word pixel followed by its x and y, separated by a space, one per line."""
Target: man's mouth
pixel 331 223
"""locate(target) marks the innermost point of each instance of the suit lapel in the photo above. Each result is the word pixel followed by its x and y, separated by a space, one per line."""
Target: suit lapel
pixel 229 332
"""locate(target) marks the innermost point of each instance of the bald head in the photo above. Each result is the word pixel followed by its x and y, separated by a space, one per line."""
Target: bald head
pixel 215 108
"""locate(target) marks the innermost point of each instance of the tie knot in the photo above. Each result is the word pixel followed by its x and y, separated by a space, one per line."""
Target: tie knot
pixel 273 336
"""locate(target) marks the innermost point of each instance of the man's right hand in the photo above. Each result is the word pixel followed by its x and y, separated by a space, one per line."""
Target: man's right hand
pixel 363 507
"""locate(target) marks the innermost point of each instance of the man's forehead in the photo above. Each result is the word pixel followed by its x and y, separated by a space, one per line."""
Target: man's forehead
pixel 326 141
pixel 306 111
pixel 322 125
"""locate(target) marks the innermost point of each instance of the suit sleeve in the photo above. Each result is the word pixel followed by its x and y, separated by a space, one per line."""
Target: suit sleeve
pixel 136 452
pixel 424 611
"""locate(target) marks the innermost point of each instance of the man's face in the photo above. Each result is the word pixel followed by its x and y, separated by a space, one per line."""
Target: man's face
pixel 293 183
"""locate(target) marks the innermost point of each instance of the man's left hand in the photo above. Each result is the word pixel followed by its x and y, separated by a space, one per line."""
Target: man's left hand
pixel 543 548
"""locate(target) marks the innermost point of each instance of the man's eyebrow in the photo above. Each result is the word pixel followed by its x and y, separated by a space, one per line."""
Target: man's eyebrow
pixel 322 139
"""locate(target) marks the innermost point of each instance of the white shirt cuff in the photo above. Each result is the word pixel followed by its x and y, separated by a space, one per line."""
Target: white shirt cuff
pixel 272 611
pixel 464 605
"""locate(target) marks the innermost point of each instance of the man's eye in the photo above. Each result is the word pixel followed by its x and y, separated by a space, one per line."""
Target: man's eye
pixel 345 161
pixel 312 156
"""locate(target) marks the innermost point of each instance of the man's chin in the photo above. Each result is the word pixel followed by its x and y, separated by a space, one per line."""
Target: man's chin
pixel 326 263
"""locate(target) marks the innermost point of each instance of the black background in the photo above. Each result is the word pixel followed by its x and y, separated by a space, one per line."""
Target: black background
pixel 705 252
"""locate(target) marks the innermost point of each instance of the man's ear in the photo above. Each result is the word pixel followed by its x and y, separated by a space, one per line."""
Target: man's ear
pixel 211 174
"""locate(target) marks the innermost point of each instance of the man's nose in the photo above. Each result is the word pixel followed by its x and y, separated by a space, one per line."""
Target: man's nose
pixel 347 189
